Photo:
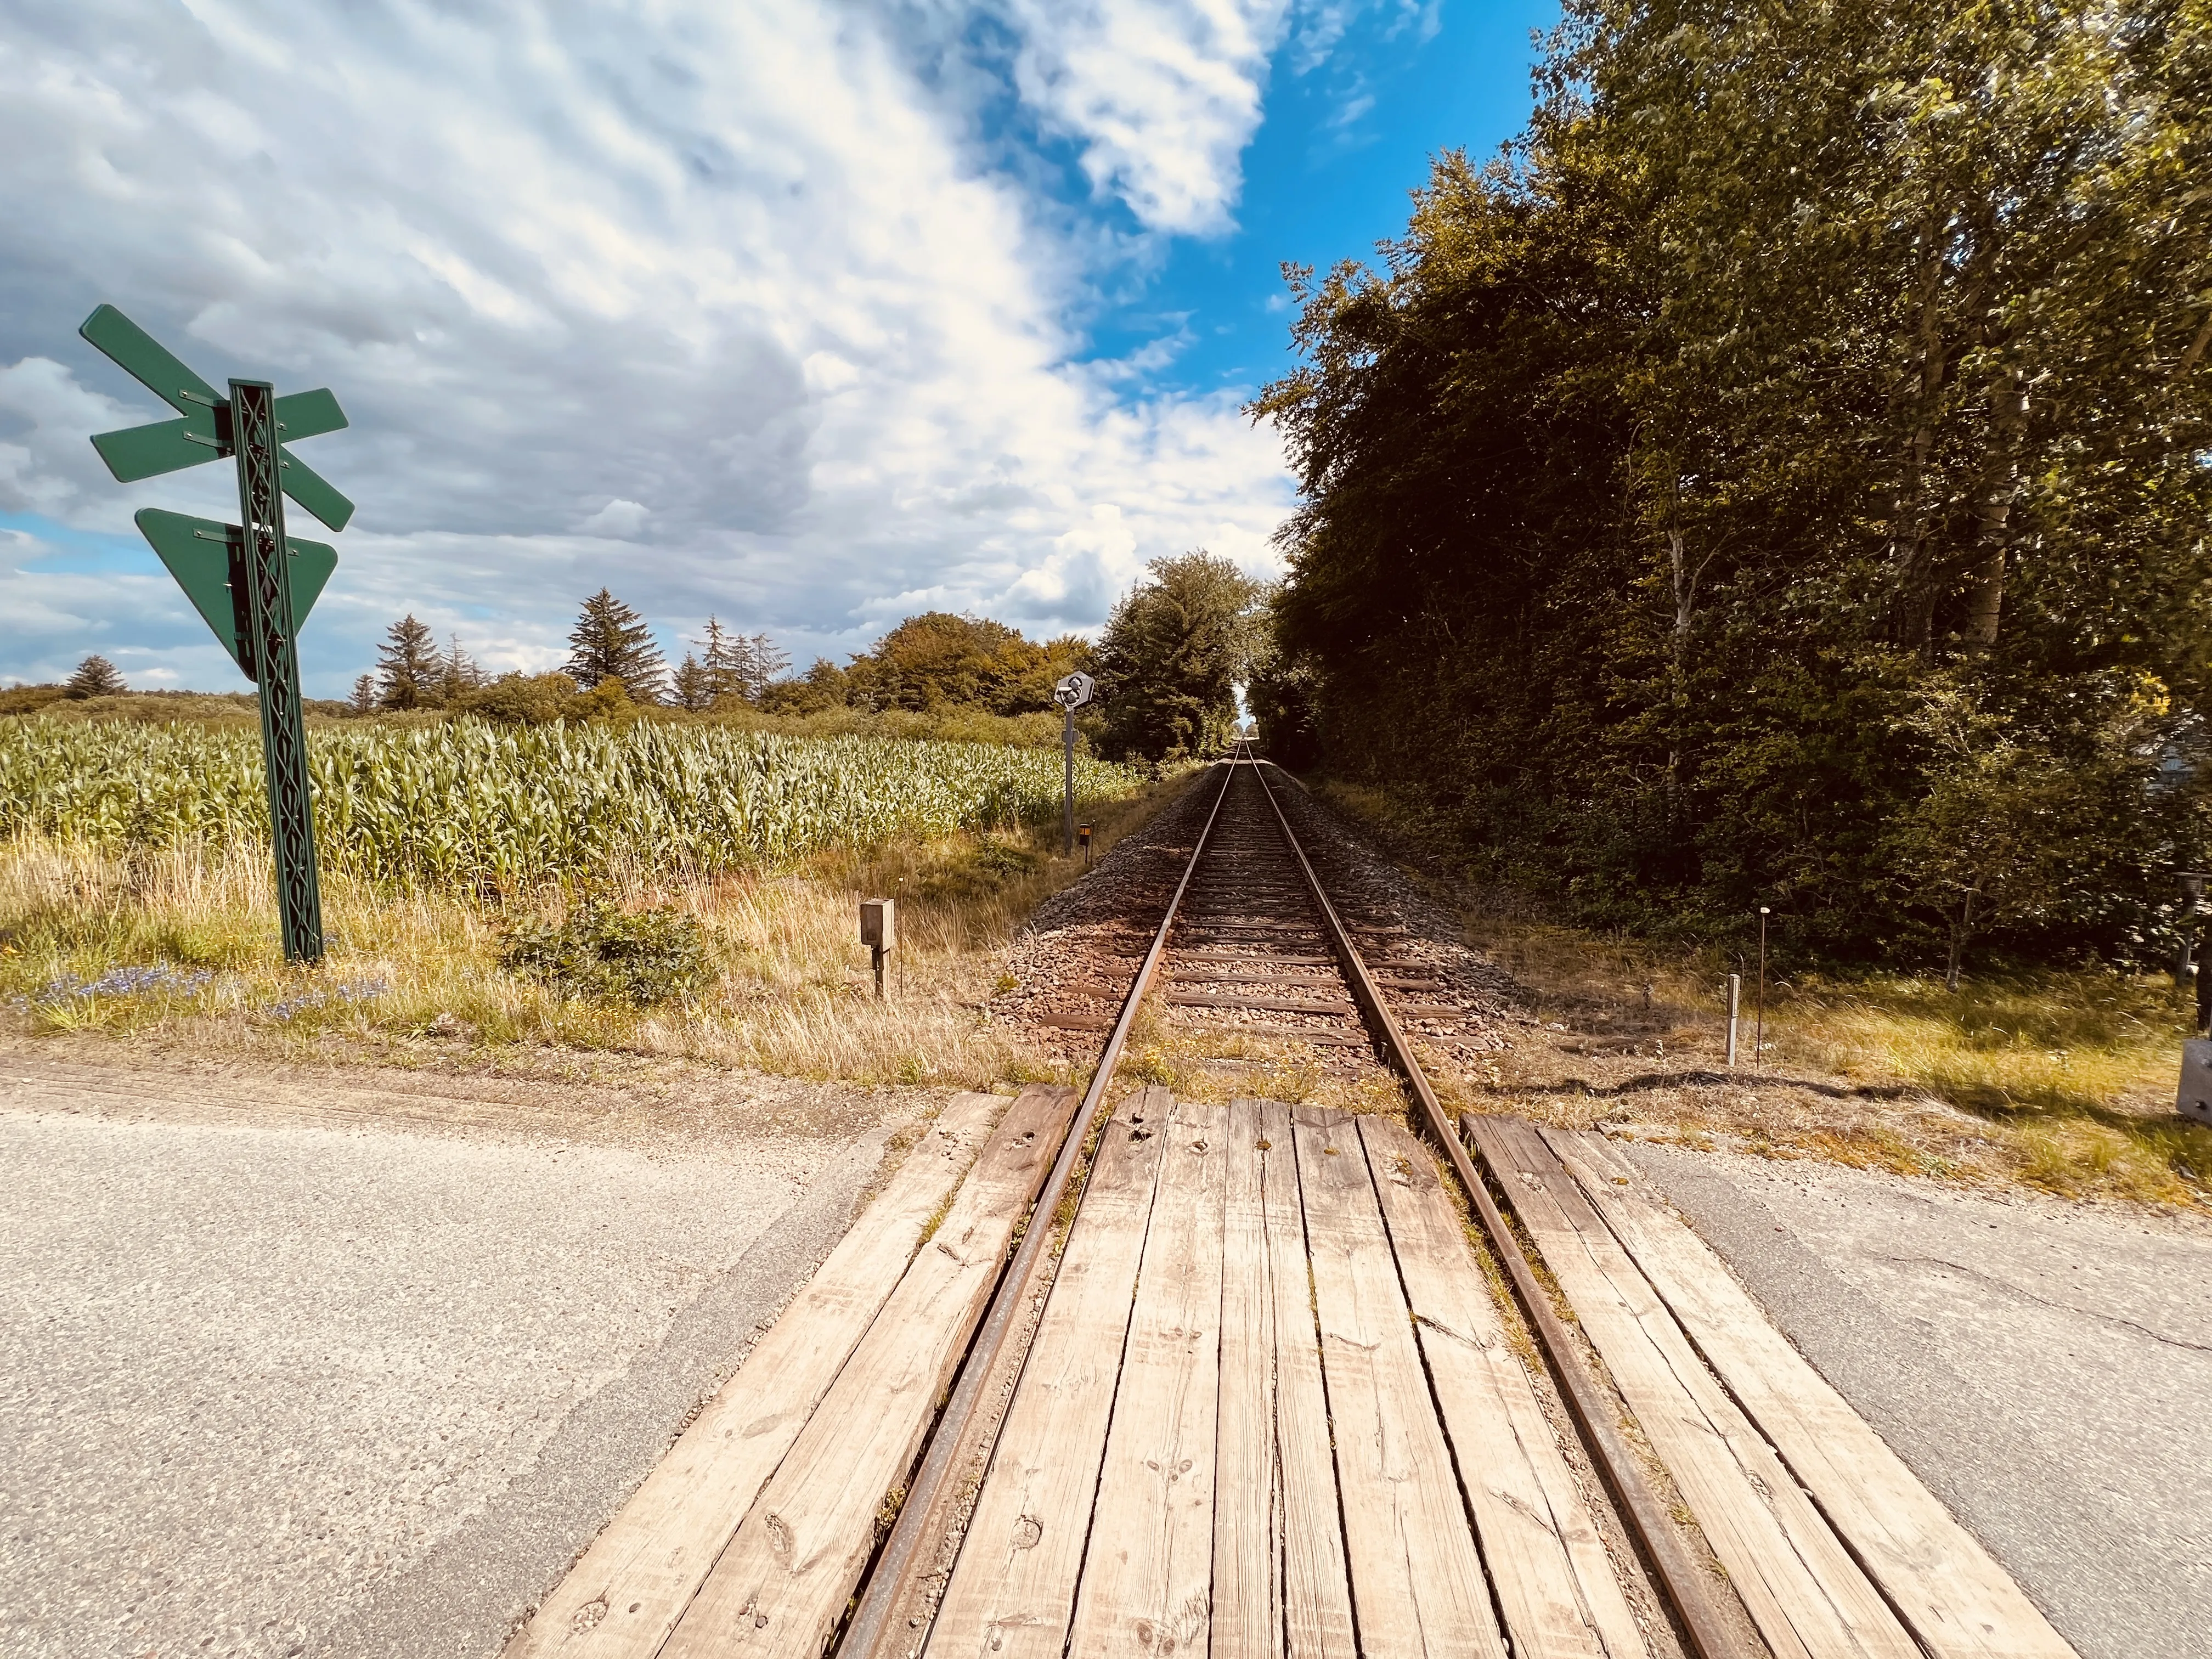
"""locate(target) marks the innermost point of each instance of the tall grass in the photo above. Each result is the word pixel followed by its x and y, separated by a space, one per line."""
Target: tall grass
pixel 466 803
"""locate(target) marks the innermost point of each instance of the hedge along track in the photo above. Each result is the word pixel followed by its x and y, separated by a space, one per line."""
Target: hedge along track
pixel 1250 932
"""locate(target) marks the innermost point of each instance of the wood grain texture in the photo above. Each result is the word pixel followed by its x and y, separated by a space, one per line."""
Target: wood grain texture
pixel 1147 1576
pixel 1316 1582
pixel 783 1581
pixel 1953 1595
pixel 1248 1592
pixel 1803 1591
pixel 1012 1590
pixel 1557 1586
pixel 1417 1583
pixel 623 1596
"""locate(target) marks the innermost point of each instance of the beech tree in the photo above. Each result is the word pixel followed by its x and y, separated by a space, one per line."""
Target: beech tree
pixel 1801 369
pixel 1175 650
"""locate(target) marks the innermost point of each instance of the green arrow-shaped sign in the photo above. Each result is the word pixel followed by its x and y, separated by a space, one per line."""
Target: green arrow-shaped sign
pixel 207 559
pixel 204 434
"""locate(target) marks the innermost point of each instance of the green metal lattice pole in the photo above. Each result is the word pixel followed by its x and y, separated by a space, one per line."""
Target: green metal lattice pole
pixel 263 567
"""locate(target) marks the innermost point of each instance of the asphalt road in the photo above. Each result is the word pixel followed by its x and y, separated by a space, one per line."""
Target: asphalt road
pixel 2044 1367
pixel 286 1387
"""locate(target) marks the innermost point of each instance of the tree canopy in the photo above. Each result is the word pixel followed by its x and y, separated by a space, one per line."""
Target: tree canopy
pixel 611 642
pixel 1176 649
pixel 1782 477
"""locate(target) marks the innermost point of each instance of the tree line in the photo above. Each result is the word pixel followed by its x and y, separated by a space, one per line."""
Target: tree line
pixel 611 649
pixel 1781 477
pixel 1173 651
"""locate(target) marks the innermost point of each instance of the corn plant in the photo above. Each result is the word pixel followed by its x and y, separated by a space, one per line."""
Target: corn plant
pixel 461 804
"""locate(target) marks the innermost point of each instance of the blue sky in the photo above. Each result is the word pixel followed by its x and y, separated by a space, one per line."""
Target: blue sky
pixel 811 315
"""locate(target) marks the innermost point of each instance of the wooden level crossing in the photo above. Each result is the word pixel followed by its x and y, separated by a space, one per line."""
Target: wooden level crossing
pixel 1273 1408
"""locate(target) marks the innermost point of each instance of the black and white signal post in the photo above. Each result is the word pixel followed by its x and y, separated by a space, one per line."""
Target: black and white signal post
pixel 1071 694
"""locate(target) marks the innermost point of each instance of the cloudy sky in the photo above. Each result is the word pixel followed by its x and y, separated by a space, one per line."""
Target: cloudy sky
pixel 809 314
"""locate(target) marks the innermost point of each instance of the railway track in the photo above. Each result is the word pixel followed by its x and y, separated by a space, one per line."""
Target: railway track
pixel 1228 1379
pixel 1252 941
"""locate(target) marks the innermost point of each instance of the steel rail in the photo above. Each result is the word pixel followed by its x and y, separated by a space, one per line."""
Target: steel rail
pixel 868 1635
pixel 1708 1638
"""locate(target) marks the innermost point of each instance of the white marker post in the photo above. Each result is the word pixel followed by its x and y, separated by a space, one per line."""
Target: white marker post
pixel 1071 694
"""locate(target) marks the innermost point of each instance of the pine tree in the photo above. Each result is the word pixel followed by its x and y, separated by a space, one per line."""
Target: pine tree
pixel 364 694
pixel 96 676
pixel 693 687
pixel 408 671
pixel 611 642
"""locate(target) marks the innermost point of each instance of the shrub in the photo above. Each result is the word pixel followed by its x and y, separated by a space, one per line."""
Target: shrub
pixel 640 957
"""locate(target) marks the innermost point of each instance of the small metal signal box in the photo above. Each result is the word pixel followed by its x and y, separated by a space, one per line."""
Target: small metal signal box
pixel 879 933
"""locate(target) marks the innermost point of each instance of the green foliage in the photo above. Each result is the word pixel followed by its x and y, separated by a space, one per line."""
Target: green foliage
pixel 96 676
pixel 611 642
pixel 1175 650
pixel 409 672
pixel 461 804
pixel 640 957
pixel 1780 478
pixel 938 660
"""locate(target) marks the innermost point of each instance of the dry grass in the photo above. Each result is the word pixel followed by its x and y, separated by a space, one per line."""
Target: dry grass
pixel 1215 1066
pixel 2062 1081
pixel 413 977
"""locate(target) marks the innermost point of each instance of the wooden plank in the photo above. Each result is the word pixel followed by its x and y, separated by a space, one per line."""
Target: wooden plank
pixel 1012 1590
pixel 1073 1022
pixel 1417 1583
pixel 782 1583
pixel 1801 1587
pixel 1317 1583
pixel 1147 1581
pixel 1248 1592
pixel 1266 1004
pixel 622 1599
pixel 1556 1584
pixel 1238 956
pixel 1953 1595
pixel 1288 1033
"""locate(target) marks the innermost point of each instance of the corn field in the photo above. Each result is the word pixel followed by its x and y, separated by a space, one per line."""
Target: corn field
pixel 459 804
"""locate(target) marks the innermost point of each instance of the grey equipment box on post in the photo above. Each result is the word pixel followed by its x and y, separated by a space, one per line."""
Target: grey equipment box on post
pixel 2194 1100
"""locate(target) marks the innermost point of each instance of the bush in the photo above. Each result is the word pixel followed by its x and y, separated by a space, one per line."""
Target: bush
pixel 640 957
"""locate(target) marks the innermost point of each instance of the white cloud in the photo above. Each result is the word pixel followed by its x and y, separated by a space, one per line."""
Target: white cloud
pixel 731 259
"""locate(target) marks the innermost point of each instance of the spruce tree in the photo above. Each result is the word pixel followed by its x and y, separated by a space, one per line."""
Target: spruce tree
pixel 723 661
pixel 611 642
pixel 693 688
pixel 764 664
pixel 364 694
pixel 457 671
pixel 408 671
pixel 96 676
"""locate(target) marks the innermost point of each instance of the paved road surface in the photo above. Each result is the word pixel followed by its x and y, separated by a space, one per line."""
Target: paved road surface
pixel 278 1386
pixel 2045 1368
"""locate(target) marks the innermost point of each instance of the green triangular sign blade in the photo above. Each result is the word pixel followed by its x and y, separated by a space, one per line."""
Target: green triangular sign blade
pixel 200 554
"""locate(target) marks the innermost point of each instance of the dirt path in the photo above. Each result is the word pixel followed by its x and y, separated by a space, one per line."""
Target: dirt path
pixel 2042 1365
pixel 356 1364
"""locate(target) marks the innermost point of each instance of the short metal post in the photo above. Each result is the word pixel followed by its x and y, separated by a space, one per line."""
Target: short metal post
pixel 879 933
pixel 1067 814
pixel 1758 1037
pixel 1083 834
pixel 1735 1012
